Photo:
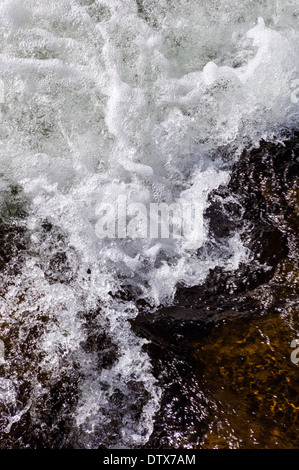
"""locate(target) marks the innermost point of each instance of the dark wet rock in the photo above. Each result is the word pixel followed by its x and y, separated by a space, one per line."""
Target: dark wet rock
pixel 220 352
pixel 272 166
pixel 231 335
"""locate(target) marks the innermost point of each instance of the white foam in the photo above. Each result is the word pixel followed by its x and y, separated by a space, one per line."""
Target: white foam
pixel 101 101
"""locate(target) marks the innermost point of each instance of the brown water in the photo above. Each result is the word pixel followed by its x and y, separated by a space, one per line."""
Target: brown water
pixel 231 348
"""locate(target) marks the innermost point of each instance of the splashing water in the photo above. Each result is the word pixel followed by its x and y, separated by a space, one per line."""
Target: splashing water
pixel 152 100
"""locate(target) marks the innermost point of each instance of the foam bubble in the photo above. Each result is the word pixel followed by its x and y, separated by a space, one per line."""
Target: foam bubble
pixel 105 99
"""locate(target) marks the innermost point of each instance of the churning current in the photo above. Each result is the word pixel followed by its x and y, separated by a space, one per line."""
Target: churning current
pixel 142 101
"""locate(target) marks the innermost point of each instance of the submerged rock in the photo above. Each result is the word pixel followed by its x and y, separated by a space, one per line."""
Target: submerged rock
pixel 233 333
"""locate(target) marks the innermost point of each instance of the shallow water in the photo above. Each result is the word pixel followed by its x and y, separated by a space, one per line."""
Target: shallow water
pixel 156 102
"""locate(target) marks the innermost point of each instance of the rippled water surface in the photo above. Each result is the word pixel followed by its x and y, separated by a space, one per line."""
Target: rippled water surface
pixel 148 342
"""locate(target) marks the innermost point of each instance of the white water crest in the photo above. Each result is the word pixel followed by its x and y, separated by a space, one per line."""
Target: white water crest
pixel 152 100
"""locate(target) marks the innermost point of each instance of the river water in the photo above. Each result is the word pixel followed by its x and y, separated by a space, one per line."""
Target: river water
pixel 147 101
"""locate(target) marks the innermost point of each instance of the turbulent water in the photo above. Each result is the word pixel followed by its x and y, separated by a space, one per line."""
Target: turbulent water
pixel 152 100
